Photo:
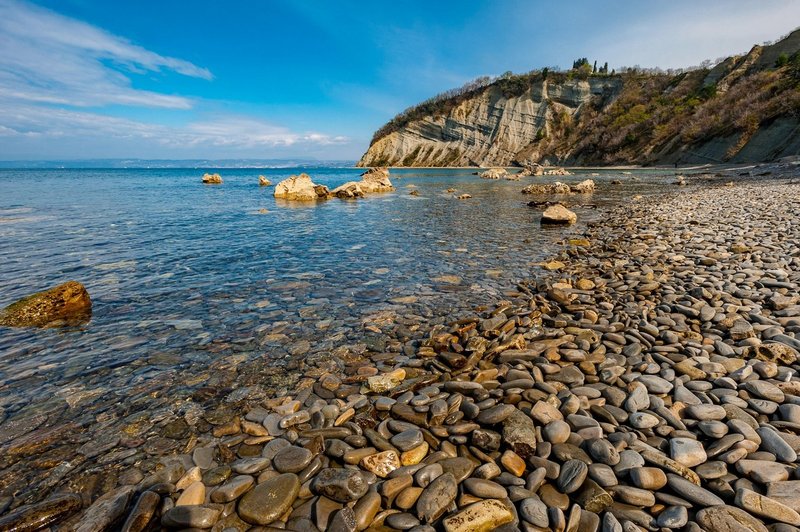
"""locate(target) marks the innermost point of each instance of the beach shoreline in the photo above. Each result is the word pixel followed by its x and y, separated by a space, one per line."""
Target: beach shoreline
pixel 485 426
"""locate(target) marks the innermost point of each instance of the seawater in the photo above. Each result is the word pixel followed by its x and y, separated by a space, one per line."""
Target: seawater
pixel 220 292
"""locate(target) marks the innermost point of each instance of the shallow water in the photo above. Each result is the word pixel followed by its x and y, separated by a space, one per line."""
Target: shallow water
pixel 189 280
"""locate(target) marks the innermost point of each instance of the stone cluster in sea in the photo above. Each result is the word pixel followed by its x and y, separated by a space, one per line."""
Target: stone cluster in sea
pixel 649 382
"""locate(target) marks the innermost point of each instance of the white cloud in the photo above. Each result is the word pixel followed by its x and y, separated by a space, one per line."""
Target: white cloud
pixel 51 66
pixel 49 58
pixel 235 132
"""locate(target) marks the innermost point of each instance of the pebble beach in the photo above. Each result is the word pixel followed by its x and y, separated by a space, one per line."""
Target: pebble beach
pixel 644 379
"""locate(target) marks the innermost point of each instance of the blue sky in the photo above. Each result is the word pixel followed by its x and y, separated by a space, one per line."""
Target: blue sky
pixel 273 79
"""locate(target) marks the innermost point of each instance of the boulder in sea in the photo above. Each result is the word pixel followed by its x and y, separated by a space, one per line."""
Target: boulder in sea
pixel 525 172
pixel 300 188
pixel 349 190
pixel 464 196
pixel 212 179
pixel 680 181
pixel 376 180
pixel 63 305
pixel 263 181
pixel 493 173
pixel 557 171
pixel 584 187
pixel 547 188
pixel 558 215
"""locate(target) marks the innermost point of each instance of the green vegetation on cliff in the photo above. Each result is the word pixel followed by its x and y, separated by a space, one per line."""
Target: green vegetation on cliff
pixel 709 113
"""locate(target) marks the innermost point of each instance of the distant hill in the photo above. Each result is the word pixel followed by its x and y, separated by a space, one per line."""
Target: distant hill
pixel 744 109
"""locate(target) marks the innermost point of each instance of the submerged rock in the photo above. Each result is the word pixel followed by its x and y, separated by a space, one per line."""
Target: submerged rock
pixel 63 305
pixel 584 187
pixel 41 515
pixel 300 188
pixel 212 179
pixel 547 188
pixel 106 510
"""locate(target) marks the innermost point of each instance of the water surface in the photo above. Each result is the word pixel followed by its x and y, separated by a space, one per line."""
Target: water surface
pixel 222 289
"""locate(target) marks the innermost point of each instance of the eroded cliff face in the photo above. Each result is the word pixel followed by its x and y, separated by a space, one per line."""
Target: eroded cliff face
pixel 490 129
pixel 745 109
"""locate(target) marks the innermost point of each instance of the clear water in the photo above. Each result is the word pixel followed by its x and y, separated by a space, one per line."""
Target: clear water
pixel 194 286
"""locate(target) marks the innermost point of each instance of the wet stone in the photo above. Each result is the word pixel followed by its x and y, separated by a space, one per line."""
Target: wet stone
pixel 496 414
pixel 402 521
pixel 190 517
pixel 249 466
pixel 436 498
pixel 233 489
pixel 269 500
pixel 106 510
pixel 41 515
pixel 459 467
pixel 343 485
pixel 216 476
pixel 142 513
pixel 408 439
pixel 343 521
pixel 488 440
pixel 292 459
pixel 381 463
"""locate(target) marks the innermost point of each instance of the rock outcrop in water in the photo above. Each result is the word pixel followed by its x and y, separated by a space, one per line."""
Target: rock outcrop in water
pixel 376 180
pixel 493 173
pixel 745 109
pixel 212 179
pixel 63 305
pixel 586 186
pixel 558 215
pixel 300 188
pixel 263 181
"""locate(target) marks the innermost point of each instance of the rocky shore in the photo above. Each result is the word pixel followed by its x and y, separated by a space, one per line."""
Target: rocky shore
pixel 645 381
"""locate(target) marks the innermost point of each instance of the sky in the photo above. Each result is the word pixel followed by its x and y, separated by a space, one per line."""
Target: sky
pixel 168 79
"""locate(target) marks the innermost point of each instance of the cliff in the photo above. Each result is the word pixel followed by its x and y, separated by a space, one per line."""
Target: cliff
pixel 745 109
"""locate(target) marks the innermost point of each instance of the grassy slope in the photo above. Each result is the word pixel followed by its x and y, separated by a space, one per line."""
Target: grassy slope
pixel 655 114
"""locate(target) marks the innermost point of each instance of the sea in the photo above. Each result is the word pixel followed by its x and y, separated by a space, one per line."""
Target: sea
pixel 220 293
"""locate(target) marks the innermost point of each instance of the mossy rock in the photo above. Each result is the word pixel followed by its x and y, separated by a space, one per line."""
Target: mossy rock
pixel 64 305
